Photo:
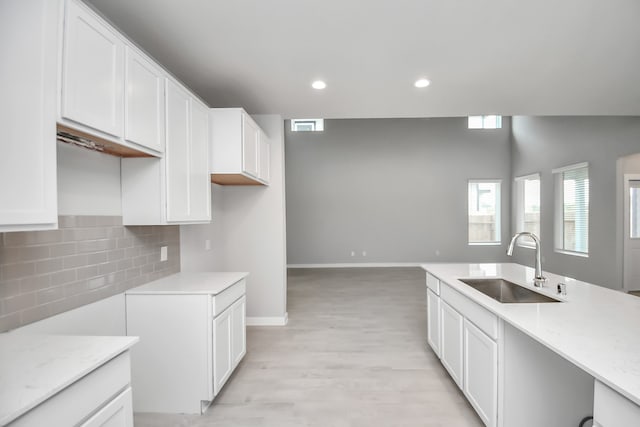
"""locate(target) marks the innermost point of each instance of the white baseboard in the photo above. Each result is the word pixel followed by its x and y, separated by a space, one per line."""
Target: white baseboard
pixel 268 321
pixel 357 265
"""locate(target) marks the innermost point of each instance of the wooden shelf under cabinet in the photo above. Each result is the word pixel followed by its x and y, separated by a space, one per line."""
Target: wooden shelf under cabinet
pixel 233 179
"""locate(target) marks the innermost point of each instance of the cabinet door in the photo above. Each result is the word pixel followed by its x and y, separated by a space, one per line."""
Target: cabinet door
pixel 222 359
pixel 433 321
pixel 177 152
pixel 28 82
pixel 265 159
pixel 93 72
pixel 199 178
pixel 481 372
pixel 238 325
pixel 144 102
pixel 250 141
pixel 451 323
pixel 117 413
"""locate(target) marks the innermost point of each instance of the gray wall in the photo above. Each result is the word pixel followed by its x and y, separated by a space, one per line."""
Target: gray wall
pixel 247 233
pixel 541 144
pixel 395 188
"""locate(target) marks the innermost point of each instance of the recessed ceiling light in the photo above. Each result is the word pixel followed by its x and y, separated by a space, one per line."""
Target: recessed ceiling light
pixel 422 83
pixel 318 84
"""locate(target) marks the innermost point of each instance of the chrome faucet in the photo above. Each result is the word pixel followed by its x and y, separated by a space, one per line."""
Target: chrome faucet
pixel 539 279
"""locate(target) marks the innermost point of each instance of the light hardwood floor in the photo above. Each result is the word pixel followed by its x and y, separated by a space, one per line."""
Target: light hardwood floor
pixel 353 354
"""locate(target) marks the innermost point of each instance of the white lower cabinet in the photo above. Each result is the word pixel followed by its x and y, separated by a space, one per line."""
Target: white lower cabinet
pixel 238 335
pixel 611 409
pixel 481 372
pixel 451 323
pixel 433 321
pixel 229 342
pixel 90 401
pixel 116 413
pixel 190 343
pixel 468 352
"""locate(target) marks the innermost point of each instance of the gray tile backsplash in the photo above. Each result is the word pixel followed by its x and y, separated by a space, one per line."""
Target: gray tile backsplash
pixel 43 273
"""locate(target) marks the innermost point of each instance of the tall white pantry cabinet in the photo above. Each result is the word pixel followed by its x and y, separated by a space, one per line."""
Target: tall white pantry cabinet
pixel 192 336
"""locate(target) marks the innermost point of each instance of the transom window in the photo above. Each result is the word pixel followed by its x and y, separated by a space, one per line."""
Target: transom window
pixel 485 122
pixel 307 125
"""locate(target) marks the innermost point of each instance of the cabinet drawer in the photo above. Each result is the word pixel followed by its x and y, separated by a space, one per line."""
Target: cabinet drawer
pixel 433 284
pixel 228 296
pixel 81 399
pixel 482 318
pixel 611 409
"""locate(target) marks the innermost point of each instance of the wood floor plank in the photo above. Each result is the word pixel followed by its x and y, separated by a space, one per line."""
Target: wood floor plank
pixel 353 354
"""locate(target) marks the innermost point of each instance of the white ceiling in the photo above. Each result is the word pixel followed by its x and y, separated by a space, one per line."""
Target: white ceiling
pixel 510 57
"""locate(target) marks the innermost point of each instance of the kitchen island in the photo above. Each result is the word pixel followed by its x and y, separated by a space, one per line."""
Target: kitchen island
pixel 591 327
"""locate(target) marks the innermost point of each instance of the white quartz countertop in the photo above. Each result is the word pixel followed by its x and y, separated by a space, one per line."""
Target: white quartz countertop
pixel 595 328
pixel 190 283
pixel 35 367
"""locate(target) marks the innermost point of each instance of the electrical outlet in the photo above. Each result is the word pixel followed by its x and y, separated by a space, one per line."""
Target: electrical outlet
pixel 437 252
pixel 163 253
pixel 364 253
pixel 353 253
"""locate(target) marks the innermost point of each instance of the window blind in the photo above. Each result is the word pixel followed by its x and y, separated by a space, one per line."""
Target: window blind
pixel 575 213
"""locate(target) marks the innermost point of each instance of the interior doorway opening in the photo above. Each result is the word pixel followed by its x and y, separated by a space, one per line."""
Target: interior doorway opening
pixel 629 202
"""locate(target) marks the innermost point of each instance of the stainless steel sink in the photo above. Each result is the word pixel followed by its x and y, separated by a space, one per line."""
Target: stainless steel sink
pixel 504 291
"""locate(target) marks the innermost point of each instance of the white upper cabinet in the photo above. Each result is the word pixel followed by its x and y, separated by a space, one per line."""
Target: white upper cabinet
pixel 175 189
pixel 239 149
pixel 177 153
pixel 199 178
pixel 93 72
pixel 265 158
pixel 250 146
pixel 29 32
pixel 144 102
pixel 111 92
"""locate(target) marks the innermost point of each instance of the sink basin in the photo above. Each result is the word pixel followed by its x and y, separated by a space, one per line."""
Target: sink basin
pixel 505 291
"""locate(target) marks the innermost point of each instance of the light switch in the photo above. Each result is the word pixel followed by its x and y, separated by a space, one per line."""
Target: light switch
pixel 163 253
pixel 207 245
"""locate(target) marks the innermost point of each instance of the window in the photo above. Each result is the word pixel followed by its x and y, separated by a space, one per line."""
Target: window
pixel 307 125
pixel 634 209
pixel 572 209
pixel 485 122
pixel 484 212
pixel 528 207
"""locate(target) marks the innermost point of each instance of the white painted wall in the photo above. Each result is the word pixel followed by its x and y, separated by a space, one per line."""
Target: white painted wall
pixel 88 182
pixel 248 234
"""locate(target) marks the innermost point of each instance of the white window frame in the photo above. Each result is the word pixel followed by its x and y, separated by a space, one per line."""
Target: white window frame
pixel 484 120
pixel 318 125
pixel 558 222
pixel 498 225
pixel 519 202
